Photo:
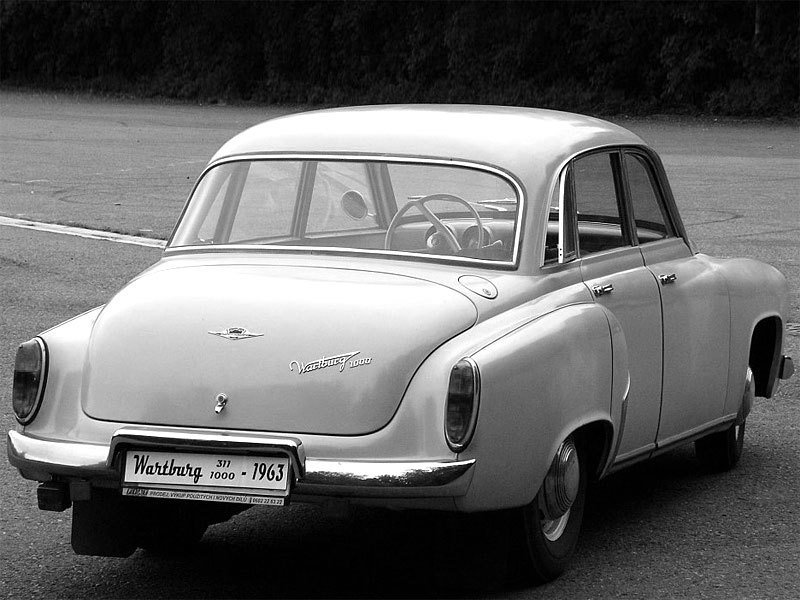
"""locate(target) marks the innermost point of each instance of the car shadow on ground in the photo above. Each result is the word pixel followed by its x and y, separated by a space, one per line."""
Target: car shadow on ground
pixel 305 552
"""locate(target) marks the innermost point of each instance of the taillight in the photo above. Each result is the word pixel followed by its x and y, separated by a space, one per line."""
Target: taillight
pixel 463 393
pixel 30 371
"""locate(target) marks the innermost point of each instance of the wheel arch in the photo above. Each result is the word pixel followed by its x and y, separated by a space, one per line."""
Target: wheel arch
pixel 594 440
pixel 766 341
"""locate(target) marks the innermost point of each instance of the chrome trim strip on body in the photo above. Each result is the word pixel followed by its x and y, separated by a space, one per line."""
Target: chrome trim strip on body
pixel 336 251
pixel 41 459
pixel 719 424
pixel 652 450
pixel 622 420
pixel 367 157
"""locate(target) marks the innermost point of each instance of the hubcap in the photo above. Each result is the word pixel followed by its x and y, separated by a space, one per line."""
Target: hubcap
pixel 552 529
pixel 561 485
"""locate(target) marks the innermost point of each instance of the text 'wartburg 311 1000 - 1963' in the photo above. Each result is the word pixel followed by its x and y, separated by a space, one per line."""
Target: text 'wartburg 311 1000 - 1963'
pixel 441 307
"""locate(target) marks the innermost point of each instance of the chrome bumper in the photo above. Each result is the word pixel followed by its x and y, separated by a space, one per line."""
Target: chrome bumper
pixel 40 459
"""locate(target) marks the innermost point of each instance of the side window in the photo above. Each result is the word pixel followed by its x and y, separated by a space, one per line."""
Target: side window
pixel 648 212
pixel 600 225
pixel 332 181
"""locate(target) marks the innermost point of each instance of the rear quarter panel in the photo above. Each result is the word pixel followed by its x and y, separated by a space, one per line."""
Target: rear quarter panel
pixel 757 291
pixel 539 383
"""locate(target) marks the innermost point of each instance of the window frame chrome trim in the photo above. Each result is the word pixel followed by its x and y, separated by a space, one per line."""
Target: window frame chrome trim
pixel 658 189
pixel 654 161
pixel 508 177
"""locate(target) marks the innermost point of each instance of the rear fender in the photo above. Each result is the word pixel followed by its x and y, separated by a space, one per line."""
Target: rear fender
pixel 759 293
pixel 539 384
pixel 66 347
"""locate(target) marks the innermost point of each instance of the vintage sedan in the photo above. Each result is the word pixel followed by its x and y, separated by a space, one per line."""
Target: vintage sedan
pixel 455 308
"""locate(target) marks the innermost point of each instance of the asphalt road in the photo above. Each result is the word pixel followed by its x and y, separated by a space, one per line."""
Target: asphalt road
pixel 665 529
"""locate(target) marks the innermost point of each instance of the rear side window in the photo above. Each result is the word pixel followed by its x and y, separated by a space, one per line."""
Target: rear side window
pixel 600 226
pixel 648 209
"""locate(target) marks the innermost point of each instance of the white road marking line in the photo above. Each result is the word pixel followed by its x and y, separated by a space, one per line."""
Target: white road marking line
pixel 92 234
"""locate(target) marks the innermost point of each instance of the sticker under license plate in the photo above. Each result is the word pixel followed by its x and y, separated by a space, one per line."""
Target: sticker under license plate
pixel 210 477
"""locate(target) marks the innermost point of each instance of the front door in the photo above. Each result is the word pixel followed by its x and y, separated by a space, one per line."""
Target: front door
pixel 696 313
pixel 694 305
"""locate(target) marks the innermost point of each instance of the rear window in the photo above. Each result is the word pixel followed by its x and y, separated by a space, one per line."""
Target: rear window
pixel 420 209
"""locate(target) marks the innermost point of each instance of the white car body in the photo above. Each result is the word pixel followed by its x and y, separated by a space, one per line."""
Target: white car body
pixel 338 357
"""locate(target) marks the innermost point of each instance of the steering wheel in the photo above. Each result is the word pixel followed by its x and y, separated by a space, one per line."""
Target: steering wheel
pixel 440 227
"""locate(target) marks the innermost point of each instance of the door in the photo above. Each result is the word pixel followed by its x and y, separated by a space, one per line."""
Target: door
pixel 695 310
pixel 613 269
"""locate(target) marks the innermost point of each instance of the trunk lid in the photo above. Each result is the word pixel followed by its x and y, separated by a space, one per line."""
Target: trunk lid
pixel 332 351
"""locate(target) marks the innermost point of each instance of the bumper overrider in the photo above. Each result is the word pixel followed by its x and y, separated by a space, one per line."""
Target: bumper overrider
pixel 81 465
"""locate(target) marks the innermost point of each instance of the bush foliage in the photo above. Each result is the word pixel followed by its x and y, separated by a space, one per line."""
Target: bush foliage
pixel 604 57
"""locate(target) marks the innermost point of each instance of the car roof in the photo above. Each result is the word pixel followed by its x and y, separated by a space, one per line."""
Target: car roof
pixel 519 140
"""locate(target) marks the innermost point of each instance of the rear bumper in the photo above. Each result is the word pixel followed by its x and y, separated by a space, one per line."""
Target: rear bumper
pixel 44 460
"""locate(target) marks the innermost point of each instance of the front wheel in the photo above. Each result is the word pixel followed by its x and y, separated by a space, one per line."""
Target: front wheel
pixel 721 451
pixel 549 526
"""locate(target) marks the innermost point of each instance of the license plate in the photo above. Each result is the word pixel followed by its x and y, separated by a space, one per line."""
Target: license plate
pixel 210 477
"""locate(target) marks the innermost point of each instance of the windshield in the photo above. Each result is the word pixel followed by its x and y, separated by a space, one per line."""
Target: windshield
pixel 423 209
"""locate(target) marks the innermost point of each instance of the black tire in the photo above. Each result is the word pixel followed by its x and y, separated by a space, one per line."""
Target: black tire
pixel 721 451
pixel 541 552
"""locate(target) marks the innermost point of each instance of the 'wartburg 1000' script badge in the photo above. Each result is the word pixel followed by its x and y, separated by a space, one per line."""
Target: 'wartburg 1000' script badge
pixel 342 361
pixel 235 333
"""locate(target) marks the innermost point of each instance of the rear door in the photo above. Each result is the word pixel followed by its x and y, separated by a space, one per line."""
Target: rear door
pixel 613 269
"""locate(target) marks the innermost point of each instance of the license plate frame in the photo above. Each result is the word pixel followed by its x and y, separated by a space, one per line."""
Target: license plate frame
pixel 207 476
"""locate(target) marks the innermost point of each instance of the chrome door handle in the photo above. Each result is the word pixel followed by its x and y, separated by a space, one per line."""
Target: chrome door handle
pixel 665 279
pixel 599 290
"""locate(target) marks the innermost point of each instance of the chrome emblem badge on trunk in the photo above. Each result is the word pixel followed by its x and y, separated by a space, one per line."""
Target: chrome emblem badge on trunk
pixel 340 361
pixel 235 333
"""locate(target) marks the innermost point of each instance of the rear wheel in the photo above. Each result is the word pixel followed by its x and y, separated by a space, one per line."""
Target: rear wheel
pixel 548 527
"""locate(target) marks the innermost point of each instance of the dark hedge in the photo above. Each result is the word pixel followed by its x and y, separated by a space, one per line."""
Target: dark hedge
pixel 738 58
